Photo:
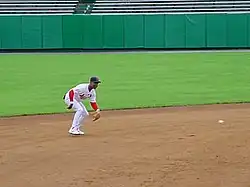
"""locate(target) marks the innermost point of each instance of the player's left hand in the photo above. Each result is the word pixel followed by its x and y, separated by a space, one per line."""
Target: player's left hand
pixel 96 115
pixel 70 106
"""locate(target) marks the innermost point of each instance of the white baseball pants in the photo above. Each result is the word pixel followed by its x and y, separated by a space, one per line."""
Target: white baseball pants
pixel 80 112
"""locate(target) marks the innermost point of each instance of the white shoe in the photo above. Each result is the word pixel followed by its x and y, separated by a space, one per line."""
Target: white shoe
pixel 80 132
pixel 74 131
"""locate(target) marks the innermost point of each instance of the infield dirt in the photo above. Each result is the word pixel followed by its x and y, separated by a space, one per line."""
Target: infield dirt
pixel 167 147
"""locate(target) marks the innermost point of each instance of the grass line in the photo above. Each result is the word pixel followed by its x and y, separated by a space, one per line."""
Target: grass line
pixel 126 109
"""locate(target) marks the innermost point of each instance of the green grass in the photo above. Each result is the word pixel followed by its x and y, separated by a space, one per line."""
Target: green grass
pixel 33 84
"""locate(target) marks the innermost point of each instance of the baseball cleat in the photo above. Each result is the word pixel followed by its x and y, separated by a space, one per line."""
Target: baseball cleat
pixel 80 132
pixel 74 131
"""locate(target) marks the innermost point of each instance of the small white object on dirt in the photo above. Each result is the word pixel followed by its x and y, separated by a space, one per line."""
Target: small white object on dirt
pixel 221 121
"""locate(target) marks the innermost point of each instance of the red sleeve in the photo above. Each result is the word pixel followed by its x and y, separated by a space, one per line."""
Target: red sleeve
pixel 71 95
pixel 94 105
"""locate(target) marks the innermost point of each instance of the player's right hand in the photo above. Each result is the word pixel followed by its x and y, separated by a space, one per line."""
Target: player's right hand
pixel 70 106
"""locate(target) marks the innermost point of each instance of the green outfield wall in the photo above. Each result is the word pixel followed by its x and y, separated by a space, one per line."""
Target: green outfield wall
pixel 125 31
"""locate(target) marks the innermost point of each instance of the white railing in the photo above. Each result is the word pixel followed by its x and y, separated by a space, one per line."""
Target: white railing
pixel 43 5
pixel 172 3
pixel 24 7
pixel 175 13
pixel 169 6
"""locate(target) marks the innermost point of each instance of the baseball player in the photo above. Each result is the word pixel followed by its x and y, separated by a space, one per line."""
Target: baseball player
pixel 73 99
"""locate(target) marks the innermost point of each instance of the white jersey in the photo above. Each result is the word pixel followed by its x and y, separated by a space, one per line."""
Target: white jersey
pixel 81 92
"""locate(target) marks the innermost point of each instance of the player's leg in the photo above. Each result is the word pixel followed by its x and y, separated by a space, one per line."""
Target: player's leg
pixel 80 112
pixel 77 119
pixel 81 119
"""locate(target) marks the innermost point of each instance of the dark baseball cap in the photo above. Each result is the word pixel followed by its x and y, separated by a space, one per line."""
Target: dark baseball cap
pixel 95 79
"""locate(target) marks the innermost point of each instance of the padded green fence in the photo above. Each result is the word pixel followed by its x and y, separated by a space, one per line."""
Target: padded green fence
pixel 125 31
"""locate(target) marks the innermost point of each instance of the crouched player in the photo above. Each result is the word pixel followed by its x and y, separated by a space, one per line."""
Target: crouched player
pixel 73 99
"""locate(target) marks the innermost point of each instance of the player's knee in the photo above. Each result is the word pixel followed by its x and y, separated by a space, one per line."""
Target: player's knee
pixel 83 112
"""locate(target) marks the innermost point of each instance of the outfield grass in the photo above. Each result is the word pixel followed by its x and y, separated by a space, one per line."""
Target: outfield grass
pixel 33 84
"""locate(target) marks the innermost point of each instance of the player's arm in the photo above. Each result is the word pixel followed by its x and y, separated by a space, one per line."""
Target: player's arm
pixel 71 98
pixel 95 107
pixel 93 103
pixel 72 93
pixel 97 114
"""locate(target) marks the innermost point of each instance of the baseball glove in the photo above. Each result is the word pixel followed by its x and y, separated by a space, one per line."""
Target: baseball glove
pixel 96 116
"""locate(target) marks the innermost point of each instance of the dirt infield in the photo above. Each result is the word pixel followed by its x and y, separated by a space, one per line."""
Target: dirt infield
pixel 184 147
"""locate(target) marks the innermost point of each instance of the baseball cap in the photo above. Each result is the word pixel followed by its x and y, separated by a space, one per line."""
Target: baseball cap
pixel 95 79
